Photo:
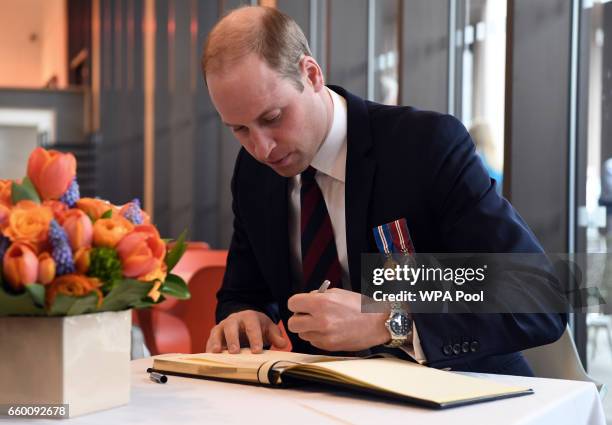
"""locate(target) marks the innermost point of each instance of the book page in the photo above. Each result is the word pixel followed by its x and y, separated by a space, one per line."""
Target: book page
pixel 247 359
pixel 243 366
pixel 407 379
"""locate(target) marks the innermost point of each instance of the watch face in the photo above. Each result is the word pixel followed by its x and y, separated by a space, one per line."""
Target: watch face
pixel 399 324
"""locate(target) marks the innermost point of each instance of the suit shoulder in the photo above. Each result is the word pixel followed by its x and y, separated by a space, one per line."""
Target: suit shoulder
pixel 428 129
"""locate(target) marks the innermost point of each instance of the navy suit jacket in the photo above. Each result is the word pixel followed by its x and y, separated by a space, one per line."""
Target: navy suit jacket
pixel 401 163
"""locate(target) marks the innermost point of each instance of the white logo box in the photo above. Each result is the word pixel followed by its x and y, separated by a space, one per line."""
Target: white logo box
pixel 82 361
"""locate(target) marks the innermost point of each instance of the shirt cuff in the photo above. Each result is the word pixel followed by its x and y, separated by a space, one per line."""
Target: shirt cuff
pixel 414 349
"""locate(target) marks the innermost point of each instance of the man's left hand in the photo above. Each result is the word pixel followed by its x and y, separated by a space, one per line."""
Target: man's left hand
pixel 333 321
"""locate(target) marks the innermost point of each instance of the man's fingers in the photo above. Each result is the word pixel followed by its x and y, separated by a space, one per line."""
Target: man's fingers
pixel 252 327
pixel 275 336
pixel 304 303
pixel 309 336
pixel 300 322
pixel 324 342
pixel 215 340
pixel 300 303
pixel 232 336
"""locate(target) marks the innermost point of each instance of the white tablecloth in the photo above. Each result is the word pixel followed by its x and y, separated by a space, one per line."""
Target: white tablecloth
pixel 184 401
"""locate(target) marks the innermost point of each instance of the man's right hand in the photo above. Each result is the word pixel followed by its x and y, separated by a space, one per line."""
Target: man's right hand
pixel 252 328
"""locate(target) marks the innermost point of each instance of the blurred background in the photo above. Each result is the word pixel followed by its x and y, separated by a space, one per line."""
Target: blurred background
pixel 118 83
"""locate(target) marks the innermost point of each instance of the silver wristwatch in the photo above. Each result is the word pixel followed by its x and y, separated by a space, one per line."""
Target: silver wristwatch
pixel 399 325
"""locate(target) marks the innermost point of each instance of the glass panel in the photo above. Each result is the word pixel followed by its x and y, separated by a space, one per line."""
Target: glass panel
pixel 482 79
pixel 386 86
pixel 595 214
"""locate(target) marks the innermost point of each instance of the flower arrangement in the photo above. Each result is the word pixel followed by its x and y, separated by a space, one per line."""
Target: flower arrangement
pixel 65 255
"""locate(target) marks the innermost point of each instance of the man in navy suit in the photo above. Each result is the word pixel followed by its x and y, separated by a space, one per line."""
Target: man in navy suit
pixel 372 164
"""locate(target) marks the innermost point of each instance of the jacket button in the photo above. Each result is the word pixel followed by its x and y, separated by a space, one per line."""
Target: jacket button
pixel 447 350
pixel 474 346
pixel 456 349
pixel 465 347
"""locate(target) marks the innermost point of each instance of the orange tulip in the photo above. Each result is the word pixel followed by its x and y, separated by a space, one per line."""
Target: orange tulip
pixel 94 208
pixel 46 268
pixel 51 172
pixel 79 229
pixel 75 285
pixel 29 223
pixel 109 231
pixel 58 208
pixel 20 266
pixel 6 192
pixel 82 260
pixel 142 252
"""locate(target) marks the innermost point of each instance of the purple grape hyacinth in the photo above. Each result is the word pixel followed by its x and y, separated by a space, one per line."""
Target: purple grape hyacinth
pixel 62 254
pixel 4 243
pixel 72 194
pixel 133 212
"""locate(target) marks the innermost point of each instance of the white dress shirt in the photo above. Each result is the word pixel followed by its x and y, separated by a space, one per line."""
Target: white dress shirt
pixel 330 163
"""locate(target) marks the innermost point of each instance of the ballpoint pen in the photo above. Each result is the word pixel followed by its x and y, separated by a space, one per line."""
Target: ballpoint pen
pixel 160 378
pixel 324 286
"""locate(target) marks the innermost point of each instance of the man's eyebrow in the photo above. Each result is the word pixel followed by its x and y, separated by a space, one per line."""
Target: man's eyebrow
pixel 263 114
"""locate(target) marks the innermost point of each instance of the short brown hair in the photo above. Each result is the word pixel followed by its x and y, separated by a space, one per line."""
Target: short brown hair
pixel 273 36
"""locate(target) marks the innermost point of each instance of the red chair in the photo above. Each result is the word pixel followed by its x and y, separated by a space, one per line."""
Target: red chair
pixel 184 326
pixel 164 329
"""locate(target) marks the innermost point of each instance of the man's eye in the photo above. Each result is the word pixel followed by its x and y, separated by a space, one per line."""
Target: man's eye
pixel 274 118
pixel 239 129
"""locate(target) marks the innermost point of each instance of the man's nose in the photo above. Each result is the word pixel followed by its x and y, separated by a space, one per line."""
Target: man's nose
pixel 263 144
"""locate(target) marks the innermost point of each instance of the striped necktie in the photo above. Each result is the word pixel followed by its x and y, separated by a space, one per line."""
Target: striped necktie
pixel 319 255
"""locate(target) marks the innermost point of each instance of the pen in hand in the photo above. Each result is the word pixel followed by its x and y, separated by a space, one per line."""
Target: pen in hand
pixel 324 286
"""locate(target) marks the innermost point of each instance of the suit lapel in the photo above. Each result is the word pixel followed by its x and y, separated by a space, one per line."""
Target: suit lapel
pixel 360 169
pixel 276 214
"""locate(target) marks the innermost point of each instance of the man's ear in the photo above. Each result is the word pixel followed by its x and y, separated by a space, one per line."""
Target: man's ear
pixel 312 72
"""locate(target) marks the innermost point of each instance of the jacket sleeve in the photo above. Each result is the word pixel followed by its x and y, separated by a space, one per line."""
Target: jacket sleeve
pixel 473 218
pixel 243 285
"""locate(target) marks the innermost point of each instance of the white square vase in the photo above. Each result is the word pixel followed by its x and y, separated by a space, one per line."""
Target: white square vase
pixel 82 361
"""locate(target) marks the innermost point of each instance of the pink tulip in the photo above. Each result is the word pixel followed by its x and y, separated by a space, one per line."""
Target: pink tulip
pixel 20 265
pixel 141 251
pixel 51 172
pixel 79 229
pixel 46 268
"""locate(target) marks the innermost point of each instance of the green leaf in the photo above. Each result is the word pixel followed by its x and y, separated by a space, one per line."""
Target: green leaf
pixel 126 293
pixel 107 214
pixel 37 292
pixel 24 191
pixel 18 305
pixel 144 304
pixel 176 287
pixel 177 251
pixel 67 305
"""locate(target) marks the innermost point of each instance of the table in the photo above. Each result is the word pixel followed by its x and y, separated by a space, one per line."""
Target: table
pixel 184 401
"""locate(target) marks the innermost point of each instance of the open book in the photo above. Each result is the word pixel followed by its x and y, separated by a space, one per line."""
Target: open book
pixel 387 377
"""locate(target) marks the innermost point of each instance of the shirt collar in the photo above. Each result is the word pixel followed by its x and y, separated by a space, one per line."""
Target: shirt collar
pixel 331 157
